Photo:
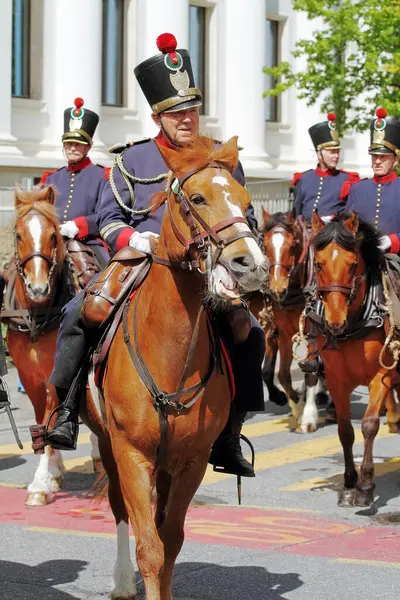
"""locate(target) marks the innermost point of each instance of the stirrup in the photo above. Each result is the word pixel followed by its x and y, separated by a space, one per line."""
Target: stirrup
pixel 239 477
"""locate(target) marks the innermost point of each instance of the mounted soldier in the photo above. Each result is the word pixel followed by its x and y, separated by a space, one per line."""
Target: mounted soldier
pixel 80 183
pixel 125 218
pixel 377 200
pixel 325 187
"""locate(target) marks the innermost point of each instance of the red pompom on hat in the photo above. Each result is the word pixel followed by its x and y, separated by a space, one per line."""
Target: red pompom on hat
pixel 166 43
pixel 331 117
pixel 78 105
pixel 381 113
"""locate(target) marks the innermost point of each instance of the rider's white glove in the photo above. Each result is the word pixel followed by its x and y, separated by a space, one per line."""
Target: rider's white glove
pixel 327 219
pixel 69 229
pixel 141 241
pixel 385 243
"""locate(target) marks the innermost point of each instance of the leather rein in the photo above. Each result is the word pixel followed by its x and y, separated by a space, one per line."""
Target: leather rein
pixel 162 400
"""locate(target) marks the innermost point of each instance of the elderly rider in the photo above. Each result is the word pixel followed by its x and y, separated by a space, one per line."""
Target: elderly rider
pixel 125 218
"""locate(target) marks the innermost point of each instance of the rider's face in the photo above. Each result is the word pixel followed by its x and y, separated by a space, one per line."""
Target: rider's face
pixel 75 152
pixel 328 158
pixel 383 164
pixel 181 126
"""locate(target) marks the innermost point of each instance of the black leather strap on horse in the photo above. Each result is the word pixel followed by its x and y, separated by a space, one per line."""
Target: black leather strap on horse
pixel 163 400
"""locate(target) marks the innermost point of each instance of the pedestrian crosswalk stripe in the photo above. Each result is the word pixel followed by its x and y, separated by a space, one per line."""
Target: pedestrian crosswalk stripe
pixel 10 450
pixel 336 479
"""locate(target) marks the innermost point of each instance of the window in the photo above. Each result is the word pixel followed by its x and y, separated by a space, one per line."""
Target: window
pixel 197 48
pixel 271 60
pixel 113 44
pixel 20 48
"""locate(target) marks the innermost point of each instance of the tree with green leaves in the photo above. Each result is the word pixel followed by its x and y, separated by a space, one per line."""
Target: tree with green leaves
pixel 352 60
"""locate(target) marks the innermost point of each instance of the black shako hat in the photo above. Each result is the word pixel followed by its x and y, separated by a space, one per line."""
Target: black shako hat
pixel 166 79
pixel 324 135
pixel 385 134
pixel 79 123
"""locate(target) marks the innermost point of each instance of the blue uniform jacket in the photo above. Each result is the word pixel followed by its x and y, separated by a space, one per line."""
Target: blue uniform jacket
pixel 377 200
pixel 322 190
pixel 79 191
pixel 144 161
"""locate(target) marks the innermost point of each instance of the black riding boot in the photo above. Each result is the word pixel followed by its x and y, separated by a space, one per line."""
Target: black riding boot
pixel 64 434
pixel 226 454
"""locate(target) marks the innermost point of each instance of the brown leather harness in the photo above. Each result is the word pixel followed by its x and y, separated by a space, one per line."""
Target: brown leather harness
pixel 202 241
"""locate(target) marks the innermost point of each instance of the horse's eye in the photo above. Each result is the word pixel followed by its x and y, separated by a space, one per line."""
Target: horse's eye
pixel 18 237
pixel 317 266
pixel 197 199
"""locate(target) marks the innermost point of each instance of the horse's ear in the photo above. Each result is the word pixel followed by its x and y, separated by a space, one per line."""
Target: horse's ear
pixel 230 154
pixel 352 223
pixel 317 222
pixel 50 195
pixel 266 216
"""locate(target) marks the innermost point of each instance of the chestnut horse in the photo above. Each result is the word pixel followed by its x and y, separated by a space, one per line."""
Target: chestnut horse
pixel 43 284
pixel 347 259
pixel 284 242
pixel 206 254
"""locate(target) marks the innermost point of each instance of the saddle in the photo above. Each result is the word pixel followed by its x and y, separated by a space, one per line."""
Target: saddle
pixel 82 260
pixel 103 296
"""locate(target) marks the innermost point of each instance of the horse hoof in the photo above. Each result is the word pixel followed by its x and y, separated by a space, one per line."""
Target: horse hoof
pixel 37 499
pixel 307 428
pixel 364 498
pixel 394 427
pixel 56 484
pixel 346 497
pixel 97 465
pixel 321 399
pixel 279 398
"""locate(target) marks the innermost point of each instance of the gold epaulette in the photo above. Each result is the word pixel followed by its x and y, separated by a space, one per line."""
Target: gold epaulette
pixel 118 148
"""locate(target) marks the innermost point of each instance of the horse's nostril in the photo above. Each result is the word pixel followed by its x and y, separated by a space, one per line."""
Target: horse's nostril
pixel 242 262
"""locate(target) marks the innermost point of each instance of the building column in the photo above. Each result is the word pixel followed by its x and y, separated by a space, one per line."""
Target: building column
pixel 7 141
pixel 72 63
pixel 242 33
pixel 153 18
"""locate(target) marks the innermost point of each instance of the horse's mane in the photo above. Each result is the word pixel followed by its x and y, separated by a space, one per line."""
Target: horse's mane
pixel 37 200
pixel 279 218
pixel 201 151
pixel 366 240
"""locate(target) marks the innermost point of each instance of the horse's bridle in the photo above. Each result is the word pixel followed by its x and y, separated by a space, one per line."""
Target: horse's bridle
pixel 200 240
pixel 347 289
pixel 20 263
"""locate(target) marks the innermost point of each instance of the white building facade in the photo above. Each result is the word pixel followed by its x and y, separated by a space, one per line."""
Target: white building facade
pixel 55 50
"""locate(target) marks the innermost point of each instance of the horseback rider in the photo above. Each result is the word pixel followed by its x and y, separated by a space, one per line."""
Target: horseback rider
pixel 80 183
pixel 377 200
pixel 125 218
pixel 325 187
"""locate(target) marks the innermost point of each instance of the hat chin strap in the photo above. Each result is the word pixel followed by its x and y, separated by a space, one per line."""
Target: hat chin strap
pixel 321 160
pixel 171 141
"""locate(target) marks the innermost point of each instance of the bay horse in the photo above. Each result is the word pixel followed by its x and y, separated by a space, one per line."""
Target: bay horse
pixel 40 284
pixel 206 254
pixel 347 262
pixel 284 239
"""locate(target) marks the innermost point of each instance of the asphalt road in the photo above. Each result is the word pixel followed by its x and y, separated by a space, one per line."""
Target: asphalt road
pixel 289 540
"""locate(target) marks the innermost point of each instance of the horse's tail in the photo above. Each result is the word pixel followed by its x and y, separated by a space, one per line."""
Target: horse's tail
pixel 99 490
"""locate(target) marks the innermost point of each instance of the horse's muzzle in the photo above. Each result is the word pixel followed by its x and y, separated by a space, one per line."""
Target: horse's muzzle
pixel 250 275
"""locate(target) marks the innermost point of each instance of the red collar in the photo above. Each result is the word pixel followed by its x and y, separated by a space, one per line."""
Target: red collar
pixel 327 173
pixel 386 178
pixel 82 164
pixel 163 142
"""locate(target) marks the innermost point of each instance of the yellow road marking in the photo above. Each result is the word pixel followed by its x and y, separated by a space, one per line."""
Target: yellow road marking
pixel 369 563
pixel 10 450
pixel 335 480
pixel 311 448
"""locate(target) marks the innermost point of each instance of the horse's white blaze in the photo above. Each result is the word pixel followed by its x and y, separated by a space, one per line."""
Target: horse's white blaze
pixel 35 229
pixel 310 414
pixel 277 240
pixel 220 180
pixel 335 254
pixel 124 572
pixel 252 245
